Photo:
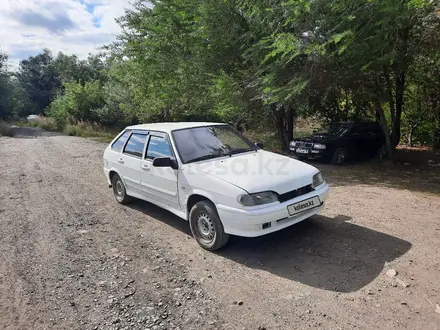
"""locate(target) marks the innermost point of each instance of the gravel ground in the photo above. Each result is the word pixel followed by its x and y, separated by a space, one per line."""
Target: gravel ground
pixel 72 258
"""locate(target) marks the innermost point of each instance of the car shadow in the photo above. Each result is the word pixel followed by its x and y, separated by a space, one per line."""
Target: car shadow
pixel 160 214
pixel 327 253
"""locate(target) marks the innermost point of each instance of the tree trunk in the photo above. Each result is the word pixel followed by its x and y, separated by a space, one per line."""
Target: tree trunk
pixel 279 126
pixel 390 95
pixel 400 90
pixel 284 126
pixel 436 137
pixel 289 120
pixel 384 125
pixel 410 136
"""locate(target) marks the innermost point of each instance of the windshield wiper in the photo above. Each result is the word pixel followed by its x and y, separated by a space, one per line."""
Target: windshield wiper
pixel 239 151
pixel 206 157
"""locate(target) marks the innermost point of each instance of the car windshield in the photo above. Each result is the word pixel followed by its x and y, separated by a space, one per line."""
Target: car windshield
pixel 334 130
pixel 201 143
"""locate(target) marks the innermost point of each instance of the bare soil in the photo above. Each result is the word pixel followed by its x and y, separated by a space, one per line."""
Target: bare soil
pixel 72 258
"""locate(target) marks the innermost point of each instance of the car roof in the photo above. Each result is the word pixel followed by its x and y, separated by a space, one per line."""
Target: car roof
pixel 354 123
pixel 169 127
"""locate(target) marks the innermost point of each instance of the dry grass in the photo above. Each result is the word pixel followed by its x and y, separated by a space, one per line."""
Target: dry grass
pixel 5 129
pixel 80 128
pixel 91 130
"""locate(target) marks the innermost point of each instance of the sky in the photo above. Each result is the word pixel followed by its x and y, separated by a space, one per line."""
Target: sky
pixel 72 26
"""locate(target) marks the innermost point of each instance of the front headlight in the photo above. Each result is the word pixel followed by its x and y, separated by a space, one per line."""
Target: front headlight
pixel 293 144
pixel 261 198
pixel 317 180
pixel 319 146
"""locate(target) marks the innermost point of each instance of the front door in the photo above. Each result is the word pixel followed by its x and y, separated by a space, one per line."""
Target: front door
pixel 159 183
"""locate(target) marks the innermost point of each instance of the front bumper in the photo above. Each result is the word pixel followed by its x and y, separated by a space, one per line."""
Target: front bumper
pixel 311 153
pixel 250 223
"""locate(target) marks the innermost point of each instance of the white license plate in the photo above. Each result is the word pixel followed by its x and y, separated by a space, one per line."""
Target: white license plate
pixel 304 205
pixel 302 151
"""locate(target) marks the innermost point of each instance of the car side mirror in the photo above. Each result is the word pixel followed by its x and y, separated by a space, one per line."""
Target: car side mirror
pixel 259 145
pixel 165 162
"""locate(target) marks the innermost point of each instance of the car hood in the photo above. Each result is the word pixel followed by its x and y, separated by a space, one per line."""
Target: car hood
pixel 259 171
pixel 317 138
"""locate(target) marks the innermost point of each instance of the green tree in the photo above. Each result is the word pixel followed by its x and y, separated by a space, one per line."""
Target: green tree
pixel 5 88
pixel 40 81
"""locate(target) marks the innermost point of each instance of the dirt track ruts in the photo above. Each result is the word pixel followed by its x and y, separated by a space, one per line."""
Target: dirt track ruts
pixel 72 258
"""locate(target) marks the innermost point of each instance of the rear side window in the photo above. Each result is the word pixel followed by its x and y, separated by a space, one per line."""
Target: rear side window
pixel 135 145
pixel 158 147
pixel 119 143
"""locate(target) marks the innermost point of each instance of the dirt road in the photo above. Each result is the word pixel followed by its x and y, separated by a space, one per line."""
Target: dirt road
pixel 72 258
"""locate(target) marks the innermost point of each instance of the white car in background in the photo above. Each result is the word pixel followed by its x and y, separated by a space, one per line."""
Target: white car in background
pixel 32 117
pixel 213 177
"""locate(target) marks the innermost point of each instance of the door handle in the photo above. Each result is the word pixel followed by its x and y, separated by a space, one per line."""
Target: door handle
pixel 121 160
pixel 145 167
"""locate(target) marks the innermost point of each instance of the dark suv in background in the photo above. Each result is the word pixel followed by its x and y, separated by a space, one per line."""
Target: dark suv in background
pixel 341 141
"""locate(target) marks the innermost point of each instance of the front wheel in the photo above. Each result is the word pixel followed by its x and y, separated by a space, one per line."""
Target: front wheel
pixel 339 156
pixel 207 227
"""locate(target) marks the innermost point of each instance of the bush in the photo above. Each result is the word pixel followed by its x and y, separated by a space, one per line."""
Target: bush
pixel 46 123
pixel 5 129
pixel 49 124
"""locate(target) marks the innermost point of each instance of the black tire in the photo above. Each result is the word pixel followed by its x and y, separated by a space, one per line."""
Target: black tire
pixel 339 156
pixel 206 226
pixel 119 190
pixel 381 153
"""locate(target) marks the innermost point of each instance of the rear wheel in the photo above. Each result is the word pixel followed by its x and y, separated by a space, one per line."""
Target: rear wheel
pixel 339 156
pixel 381 153
pixel 119 190
pixel 207 227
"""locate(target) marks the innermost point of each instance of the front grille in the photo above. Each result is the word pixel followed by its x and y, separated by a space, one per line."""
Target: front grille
pixel 295 193
pixel 304 145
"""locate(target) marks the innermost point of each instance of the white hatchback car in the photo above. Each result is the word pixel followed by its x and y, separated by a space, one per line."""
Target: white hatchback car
pixel 213 177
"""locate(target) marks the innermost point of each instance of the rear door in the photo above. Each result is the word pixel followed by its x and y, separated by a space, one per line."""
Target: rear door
pixel 114 154
pixel 159 183
pixel 130 162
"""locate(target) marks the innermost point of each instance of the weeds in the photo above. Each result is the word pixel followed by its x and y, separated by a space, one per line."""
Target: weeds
pixel 5 129
pixel 88 129
pixel 80 128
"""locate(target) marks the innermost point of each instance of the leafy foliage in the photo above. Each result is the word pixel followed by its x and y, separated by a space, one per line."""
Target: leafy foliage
pixel 259 64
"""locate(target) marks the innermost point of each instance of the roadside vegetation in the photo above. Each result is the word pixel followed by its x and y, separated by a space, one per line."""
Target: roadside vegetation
pixel 81 128
pixel 5 129
pixel 266 67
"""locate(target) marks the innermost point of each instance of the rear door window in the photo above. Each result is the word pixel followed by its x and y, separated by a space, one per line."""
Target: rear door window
pixel 119 143
pixel 135 145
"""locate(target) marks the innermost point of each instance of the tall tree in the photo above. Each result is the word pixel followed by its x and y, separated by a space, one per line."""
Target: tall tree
pixel 40 80
pixel 6 101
